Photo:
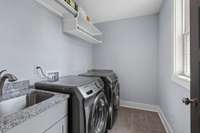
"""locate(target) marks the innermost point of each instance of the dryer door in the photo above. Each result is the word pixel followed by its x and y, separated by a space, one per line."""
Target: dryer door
pixel 99 114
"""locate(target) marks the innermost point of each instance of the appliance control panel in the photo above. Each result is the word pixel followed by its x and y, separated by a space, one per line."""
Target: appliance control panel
pixel 90 89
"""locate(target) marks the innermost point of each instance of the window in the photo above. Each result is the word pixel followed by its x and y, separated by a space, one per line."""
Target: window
pixel 186 37
pixel 182 41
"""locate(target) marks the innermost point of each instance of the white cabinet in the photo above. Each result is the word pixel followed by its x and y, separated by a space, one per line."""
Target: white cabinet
pixel 59 127
pixel 53 120
pixel 65 125
pixel 55 129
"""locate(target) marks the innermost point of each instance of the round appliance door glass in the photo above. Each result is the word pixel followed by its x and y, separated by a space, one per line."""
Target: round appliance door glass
pixel 116 96
pixel 99 115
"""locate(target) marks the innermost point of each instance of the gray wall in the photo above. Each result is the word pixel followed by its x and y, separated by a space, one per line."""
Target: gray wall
pixel 130 48
pixel 30 35
pixel 170 94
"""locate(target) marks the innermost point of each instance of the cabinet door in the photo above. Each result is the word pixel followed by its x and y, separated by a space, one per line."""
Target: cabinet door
pixel 59 127
pixel 65 125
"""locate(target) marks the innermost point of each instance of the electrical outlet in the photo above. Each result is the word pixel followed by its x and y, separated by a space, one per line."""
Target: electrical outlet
pixel 53 76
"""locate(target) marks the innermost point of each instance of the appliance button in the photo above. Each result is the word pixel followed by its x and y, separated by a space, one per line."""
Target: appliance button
pixel 89 92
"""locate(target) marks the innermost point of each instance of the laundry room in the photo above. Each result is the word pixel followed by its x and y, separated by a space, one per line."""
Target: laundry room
pixel 90 66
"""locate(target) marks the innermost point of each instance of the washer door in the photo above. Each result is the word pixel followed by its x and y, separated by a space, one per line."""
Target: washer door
pixel 99 114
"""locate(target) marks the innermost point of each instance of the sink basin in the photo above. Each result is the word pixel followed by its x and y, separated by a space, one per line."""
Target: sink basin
pixel 22 102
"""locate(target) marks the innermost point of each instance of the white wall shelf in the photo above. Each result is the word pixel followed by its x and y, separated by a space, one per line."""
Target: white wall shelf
pixel 73 23
pixel 59 7
pixel 81 29
pixel 84 36
pixel 87 26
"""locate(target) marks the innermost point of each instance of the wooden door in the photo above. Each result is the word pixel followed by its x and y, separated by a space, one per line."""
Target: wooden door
pixel 195 64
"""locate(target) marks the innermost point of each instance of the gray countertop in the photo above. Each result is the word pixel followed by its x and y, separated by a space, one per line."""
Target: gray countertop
pixel 9 121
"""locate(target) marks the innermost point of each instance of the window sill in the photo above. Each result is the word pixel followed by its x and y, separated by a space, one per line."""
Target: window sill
pixel 181 80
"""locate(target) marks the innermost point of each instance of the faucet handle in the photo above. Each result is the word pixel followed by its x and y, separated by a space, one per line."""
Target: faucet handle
pixel 2 71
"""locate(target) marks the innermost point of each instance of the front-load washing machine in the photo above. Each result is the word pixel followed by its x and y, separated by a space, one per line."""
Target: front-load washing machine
pixel 111 89
pixel 88 105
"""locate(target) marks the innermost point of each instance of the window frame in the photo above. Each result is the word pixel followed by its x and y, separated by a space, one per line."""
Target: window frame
pixel 178 46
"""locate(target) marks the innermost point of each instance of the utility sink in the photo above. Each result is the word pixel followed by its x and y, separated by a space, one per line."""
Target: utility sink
pixel 22 102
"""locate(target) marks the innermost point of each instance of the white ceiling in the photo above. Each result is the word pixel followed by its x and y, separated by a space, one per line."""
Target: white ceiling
pixel 108 10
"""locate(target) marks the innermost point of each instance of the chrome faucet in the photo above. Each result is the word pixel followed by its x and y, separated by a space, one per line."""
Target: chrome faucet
pixel 10 77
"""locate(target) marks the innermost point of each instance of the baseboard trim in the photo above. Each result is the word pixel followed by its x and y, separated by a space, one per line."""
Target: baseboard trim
pixel 148 107
pixel 140 106
pixel 165 122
